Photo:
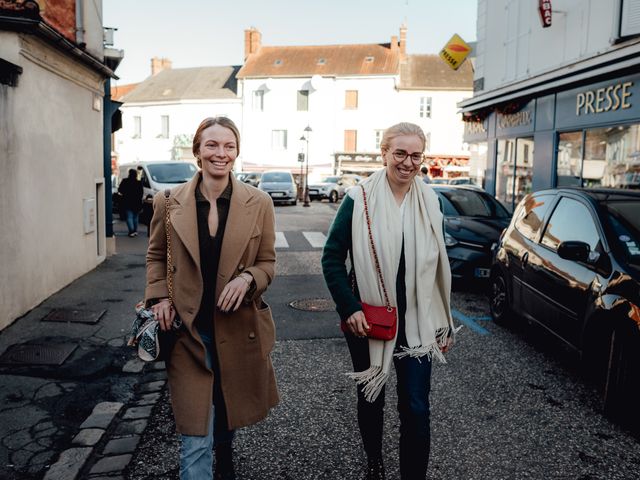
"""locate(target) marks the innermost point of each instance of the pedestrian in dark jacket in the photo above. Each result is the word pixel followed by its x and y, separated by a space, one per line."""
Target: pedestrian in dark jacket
pixel 131 190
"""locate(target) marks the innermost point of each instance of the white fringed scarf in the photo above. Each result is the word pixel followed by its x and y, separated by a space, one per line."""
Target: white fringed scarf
pixel 428 276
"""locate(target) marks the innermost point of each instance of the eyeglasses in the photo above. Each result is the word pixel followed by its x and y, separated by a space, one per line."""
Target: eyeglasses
pixel 401 155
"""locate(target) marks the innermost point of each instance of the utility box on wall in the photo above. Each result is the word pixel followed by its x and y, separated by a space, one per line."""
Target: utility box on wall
pixel 89 209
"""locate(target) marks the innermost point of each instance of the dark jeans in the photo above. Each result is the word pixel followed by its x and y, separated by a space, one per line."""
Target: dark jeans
pixel 413 386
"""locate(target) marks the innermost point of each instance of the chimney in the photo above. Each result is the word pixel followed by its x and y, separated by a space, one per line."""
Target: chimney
pixel 403 40
pixel 394 43
pixel 252 41
pixel 159 64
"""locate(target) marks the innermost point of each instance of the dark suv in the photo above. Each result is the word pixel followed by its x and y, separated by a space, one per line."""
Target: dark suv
pixel 570 262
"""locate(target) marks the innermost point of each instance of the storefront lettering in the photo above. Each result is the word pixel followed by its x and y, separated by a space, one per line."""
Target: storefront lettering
pixel 474 128
pixel 514 119
pixel 604 99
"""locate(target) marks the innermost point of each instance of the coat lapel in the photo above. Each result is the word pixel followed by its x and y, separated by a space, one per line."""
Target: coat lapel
pixel 184 217
pixel 238 231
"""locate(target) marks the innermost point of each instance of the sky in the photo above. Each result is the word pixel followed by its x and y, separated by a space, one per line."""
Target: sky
pixel 195 33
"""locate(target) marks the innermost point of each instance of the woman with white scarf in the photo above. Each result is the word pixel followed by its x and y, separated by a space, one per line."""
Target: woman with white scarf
pixel 407 230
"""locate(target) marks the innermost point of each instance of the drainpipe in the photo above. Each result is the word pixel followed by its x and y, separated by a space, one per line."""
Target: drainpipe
pixel 107 113
pixel 80 22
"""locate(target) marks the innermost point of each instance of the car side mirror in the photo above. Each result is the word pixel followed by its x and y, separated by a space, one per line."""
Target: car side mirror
pixel 576 251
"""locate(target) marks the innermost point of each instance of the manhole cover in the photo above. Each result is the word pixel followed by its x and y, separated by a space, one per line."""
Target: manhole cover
pixel 313 305
pixel 73 315
pixel 37 354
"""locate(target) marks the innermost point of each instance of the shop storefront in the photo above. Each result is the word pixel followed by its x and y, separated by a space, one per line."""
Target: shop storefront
pixel 586 136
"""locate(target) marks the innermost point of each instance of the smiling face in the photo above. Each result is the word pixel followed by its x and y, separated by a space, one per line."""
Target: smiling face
pixel 401 173
pixel 217 152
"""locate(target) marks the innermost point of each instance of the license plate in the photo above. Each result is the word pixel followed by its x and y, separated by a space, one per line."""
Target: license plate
pixel 277 194
pixel 313 192
pixel 482 273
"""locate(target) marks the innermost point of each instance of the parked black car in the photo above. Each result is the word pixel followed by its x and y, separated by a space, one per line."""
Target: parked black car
pixel 570 262
pixel 473 222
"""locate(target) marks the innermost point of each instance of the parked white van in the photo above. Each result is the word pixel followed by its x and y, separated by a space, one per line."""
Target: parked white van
pixel 156 177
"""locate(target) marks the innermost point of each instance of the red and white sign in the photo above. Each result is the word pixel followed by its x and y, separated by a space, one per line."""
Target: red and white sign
pixel 544 7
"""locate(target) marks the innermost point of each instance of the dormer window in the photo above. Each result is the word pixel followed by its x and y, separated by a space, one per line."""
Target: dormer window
pixel 278 62
pixel 322 61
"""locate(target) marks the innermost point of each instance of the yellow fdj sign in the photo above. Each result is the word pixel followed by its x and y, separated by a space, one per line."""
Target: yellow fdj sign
pixel 455 52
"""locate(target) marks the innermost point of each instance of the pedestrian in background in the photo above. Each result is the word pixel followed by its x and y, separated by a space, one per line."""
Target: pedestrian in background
pixel 424 172
pixel 223 248
pixel 131 190
pixel 407 227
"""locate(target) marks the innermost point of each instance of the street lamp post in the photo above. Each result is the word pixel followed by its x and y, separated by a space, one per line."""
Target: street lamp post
pixel 301 157
pixel 307 134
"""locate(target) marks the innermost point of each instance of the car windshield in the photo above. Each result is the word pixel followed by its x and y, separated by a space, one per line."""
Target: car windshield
pixel 626 226
pixel 330 179
pixel 172 172
pixel 276 177
pixel 469 203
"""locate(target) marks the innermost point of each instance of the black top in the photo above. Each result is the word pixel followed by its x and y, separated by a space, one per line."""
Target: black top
pixel 210 246
pixel 131 191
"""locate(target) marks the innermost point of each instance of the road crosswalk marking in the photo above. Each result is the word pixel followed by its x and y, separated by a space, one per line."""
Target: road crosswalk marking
pixel 281 241
pixel 315 239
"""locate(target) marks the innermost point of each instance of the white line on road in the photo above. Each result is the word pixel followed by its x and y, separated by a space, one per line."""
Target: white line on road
pixel 281 241
pixel 315 239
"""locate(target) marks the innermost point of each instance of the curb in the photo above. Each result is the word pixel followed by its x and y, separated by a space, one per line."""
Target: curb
pixel 109 436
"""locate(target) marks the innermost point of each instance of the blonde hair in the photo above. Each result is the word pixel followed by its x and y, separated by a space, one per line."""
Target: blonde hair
pixel 399 129
pixel 210 122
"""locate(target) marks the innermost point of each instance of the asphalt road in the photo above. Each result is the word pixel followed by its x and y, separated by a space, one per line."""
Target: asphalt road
pixel 509 404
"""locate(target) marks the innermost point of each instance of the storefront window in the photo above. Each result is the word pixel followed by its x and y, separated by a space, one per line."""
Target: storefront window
pixel 569 168
pixel 478 162
pixel 610 157
pixel 514 172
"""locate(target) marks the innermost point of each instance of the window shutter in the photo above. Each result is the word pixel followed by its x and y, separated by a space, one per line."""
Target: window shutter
pixel 350 140
pixel 630 24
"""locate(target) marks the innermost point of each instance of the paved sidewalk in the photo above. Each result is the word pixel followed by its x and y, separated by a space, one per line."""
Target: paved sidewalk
pixel 57 419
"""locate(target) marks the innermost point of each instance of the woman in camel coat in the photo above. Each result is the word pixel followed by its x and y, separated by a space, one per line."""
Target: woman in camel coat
pixel 222 355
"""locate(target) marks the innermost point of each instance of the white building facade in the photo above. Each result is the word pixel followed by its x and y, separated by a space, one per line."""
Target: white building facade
pixel 160 115
pixel 347 95
pixel 52 208
pixel 555 101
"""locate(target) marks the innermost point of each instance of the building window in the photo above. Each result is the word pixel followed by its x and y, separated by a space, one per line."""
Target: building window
pixel 350 140
pixel 379 134
pixel 278 139
pixel 351 99
pixel 478 162
pixel 164 126
pixel 303 100
pixel 137 127
pixel 569 164
pixel 425 107
pixel 258 100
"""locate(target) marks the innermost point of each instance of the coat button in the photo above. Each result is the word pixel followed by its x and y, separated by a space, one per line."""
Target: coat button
pixel 241 267
pixel 252 335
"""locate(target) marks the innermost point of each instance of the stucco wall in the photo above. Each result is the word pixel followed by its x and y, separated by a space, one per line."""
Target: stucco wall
pixel 51 159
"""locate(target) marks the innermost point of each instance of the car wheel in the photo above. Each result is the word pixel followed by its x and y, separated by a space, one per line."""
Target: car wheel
pixel 620 395
pixel 333 196
pixel 499 299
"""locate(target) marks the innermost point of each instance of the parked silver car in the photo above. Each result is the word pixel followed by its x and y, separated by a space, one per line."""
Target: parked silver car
pixel 332 187
pixel 280 186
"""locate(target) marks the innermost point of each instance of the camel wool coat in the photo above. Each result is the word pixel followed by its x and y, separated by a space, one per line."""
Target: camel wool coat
pixel 244 338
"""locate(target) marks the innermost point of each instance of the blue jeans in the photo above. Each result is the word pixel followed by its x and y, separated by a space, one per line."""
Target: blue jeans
pixel 132 221
pixel 413 387
pixel 196 452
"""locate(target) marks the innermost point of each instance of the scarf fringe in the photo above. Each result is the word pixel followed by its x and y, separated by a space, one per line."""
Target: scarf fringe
pixel 430 351
pixel 373 379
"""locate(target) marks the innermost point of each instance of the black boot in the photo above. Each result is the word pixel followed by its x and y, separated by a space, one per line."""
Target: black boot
pixel 224 462
pixel 375 469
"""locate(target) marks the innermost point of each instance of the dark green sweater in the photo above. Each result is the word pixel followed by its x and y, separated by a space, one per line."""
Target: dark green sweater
pixel 334 256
